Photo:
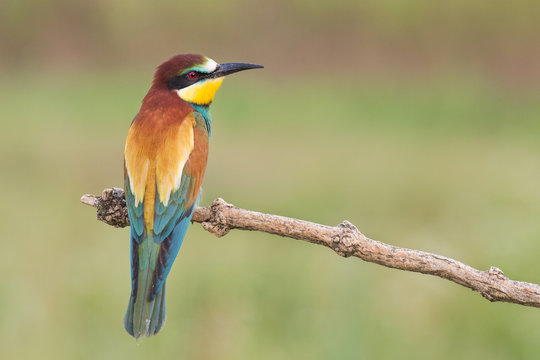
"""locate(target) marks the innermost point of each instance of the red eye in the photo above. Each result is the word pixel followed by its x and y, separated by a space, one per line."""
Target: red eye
pixel 192 75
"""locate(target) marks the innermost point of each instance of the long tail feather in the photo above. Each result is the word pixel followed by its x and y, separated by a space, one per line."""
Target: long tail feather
pixel 145 314
pixel 149 318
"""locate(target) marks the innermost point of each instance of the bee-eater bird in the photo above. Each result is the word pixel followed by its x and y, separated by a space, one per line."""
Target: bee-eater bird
pixel 164 163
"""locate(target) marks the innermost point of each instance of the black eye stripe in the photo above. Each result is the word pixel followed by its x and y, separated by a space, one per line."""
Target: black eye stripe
pixel 184 80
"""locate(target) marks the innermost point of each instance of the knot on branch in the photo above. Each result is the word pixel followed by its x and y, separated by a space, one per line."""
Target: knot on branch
pixel 111 207
pixel 345 240
pixel 493 292
pixel 496 273
pixel 217 223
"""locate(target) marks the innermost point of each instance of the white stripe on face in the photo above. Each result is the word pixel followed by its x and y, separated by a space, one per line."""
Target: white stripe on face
pixel 207 66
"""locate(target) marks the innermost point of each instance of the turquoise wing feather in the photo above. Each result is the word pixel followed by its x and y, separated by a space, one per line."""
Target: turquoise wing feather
pixel 170 226
pixel 135 214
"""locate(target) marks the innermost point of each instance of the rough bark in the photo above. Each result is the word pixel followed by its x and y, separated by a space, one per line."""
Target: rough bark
pixel 344 239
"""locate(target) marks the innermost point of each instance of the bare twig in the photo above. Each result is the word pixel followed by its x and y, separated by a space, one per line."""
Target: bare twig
pixel 344 239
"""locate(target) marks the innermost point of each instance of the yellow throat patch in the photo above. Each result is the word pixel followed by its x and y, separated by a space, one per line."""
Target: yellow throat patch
pixel 202 92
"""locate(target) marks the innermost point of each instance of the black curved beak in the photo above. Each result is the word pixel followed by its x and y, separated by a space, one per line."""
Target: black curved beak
pixel 231 68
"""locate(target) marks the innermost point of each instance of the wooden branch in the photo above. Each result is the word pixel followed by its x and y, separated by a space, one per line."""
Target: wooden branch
pixel 344 239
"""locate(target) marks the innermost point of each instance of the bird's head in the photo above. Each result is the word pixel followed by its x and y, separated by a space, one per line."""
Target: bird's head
pixel 195 78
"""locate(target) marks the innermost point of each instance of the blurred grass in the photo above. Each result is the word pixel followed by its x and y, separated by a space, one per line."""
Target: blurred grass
pixel 448 165
pixel 493 37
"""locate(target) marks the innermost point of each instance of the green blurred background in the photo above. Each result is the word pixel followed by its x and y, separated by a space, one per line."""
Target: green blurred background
pixel 418 121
